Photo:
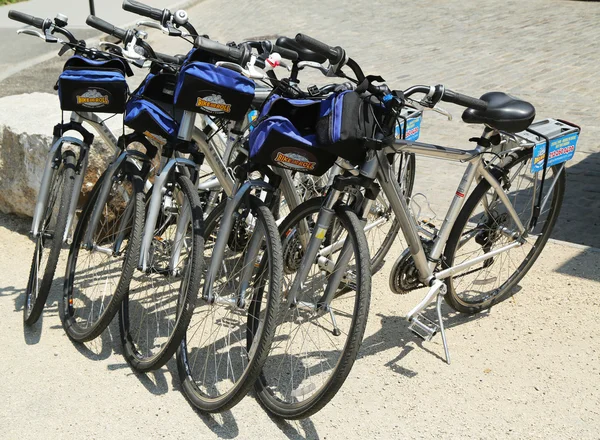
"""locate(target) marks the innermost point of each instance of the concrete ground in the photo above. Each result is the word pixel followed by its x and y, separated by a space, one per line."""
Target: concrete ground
pixel 527 369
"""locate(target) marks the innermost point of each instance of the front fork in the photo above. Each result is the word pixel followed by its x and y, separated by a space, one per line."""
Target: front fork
pixel 225 229
pixel 51 167
pixel 324 219
pixel 156 199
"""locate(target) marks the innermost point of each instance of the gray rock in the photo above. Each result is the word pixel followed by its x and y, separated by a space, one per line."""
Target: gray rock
pixel 26 123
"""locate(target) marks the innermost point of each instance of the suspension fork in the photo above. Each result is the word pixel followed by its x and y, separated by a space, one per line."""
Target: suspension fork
pixel 160 182
pixel 223 234
pixel 318 235
pixel 339 270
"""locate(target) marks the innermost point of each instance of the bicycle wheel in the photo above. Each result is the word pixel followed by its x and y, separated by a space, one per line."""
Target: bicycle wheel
pixel 157 310
pixel 227 340
pixel 48 243
pixel 484 224
pixel 382 233
pixel 98 275
pixel 313 349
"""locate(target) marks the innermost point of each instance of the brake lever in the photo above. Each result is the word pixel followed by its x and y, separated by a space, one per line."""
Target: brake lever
pixel 441 111
pixel 32 33
pixel 313 65
pixel 151 24
pixel 424 105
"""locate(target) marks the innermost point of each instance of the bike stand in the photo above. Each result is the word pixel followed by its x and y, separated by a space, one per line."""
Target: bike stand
pixel 425 328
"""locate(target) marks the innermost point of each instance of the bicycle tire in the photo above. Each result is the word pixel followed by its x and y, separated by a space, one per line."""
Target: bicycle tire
pixel 256 344
pixel 270 393
pixel 479 193
pixel 123 270
pixel 142 359
pixel 36 293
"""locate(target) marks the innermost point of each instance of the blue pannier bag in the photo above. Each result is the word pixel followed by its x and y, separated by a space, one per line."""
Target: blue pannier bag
pixel 145 117
pixel 217 91
pixel 308 135
pixel 93 85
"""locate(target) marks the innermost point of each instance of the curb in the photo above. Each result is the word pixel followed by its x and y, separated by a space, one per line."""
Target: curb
pixel 91 41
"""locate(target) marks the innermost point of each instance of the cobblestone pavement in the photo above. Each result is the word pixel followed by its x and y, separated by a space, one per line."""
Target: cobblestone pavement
pixel 544 51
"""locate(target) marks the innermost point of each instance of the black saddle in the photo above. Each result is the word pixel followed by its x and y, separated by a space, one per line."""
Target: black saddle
pixel 304 54
pixel 503 113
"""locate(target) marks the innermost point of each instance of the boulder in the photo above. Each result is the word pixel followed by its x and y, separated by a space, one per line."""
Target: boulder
pixel 26 123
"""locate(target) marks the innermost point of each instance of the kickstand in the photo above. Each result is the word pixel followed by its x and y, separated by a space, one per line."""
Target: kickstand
pixel 440 298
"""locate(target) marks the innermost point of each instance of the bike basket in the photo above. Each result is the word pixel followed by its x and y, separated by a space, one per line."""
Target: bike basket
pixel 217 91
pixel 93 85
pixel 308 135
pixel 409 124
pixel 553 141
pixel 150 119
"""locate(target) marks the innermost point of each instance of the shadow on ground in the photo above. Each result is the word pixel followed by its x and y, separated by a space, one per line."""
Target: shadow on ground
pixel 579 220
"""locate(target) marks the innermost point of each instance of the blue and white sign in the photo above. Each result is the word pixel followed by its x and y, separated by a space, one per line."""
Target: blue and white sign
pixel 561 149
pixel 413 129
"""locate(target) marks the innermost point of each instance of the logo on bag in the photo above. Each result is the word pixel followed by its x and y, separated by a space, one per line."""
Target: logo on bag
pixel 295 160
pixel 93 98
pixel 155 138
pixel 213 104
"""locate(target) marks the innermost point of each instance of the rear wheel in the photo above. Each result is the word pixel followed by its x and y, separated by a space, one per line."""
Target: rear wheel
pixel 384 225
pixel 484 225
pixel 49 241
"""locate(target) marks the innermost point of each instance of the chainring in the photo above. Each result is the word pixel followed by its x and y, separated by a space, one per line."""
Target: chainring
pixel 404 276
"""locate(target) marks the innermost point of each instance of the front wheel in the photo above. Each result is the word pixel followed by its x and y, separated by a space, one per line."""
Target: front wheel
pixel 230 334
pixel 315 346
pixel 484 225
pixel 49 241
pixel 98 272
pixel 160 301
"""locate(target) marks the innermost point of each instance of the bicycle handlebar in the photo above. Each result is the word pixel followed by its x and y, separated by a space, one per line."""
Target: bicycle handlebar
pixel 169 59
pixel 26 19
pixel 106 27
pixel 464 100
pixel 335 55
pixel 285 53
pixel 143 10
pixel 230 53
pixel 439 93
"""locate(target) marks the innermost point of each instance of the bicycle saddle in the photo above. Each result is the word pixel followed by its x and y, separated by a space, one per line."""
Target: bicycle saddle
pixel 304 54
pixel 503 113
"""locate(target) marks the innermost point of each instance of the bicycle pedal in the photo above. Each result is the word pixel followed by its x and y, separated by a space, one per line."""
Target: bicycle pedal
pixel 423 327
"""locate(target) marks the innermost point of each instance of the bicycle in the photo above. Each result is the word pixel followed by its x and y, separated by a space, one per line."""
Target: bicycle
pixel 297 380
pixel 63 175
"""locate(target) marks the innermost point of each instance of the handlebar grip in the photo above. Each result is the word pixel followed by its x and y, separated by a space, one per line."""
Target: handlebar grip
pixel 333 54
pixel 106 27
pixel 169 59
pixel 285 53
pixel 230 53
pixel 464 100
pixel 26 19
pixel 143 10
